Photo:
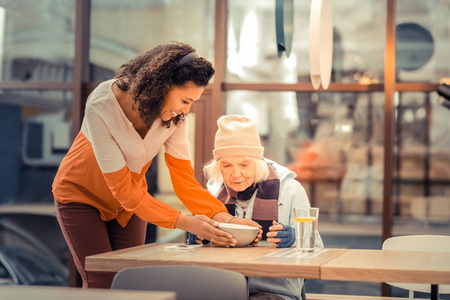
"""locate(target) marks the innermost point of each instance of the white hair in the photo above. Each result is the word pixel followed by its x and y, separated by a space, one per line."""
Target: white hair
pixel 212 169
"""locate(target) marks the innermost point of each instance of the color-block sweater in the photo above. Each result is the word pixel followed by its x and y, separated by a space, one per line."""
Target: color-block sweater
pixel 106 165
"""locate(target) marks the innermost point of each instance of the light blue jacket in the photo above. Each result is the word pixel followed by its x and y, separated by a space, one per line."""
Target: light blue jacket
pixel 292 194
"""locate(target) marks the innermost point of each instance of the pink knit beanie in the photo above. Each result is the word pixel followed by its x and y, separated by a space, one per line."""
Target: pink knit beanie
pixel 237 136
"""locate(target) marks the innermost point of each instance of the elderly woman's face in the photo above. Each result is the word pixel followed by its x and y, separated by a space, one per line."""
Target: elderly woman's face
pixel 238 173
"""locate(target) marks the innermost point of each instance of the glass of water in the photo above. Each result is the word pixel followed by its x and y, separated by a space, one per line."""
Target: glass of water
pixel 306 220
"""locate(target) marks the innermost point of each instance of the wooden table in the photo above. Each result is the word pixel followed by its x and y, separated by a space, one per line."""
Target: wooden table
pixel 329 264
pixel 20 292
pixel 390 266
pixel 250 261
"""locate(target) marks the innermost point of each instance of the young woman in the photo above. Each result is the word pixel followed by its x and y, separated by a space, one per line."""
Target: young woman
pixel 100 188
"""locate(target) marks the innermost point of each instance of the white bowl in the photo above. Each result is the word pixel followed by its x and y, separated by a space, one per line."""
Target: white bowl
pixel 244 234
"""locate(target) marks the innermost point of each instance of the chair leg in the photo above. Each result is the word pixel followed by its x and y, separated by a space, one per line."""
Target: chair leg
pixel 411 294
pixel 248 287
pixel 434 292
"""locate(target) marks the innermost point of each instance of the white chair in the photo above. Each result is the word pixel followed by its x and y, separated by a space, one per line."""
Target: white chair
pixel 429 243
pixel 189 282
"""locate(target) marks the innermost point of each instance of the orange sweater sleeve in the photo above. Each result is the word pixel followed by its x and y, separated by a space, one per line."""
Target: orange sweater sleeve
pixel 133 197
pixel 197 199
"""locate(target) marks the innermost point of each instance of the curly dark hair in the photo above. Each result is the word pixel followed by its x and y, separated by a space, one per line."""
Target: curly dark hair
pixel 150 76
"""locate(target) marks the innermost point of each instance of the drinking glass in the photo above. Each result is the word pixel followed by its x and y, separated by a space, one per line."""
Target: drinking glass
pixel 306 219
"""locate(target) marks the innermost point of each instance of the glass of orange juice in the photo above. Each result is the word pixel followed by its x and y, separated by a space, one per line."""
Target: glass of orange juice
pixel 306 220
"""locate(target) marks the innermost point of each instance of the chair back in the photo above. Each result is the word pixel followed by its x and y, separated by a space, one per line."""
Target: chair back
pixel 425 243
pixel 189 282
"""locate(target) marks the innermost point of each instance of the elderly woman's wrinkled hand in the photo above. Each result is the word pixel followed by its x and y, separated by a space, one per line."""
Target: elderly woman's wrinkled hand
pixel 281 236
pixel 249 222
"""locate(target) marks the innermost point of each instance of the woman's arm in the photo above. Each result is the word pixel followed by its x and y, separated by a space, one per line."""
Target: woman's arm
pixel 197 199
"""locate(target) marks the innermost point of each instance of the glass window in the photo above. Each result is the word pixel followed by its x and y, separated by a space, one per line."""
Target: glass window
pixel 37 40
pixel 121 30
pixel 422 40
pixel 333 141
pixel 422 164
pixel 359 42
pixel 35 130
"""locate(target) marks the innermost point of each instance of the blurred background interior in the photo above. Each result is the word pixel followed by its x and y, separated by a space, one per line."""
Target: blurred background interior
pixel 372 151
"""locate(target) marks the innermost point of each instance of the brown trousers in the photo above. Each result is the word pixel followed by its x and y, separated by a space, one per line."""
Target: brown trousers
pixel 86 234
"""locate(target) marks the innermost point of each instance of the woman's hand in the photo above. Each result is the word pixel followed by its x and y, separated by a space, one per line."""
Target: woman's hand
pixel 249 222
pixel 281 236
pixel 205 229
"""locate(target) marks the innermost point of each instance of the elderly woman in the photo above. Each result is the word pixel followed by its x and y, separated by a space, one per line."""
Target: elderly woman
pixel 253 187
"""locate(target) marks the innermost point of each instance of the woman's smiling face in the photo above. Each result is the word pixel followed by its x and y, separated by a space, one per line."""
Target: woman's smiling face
pixel 179 100
pixel 238 173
